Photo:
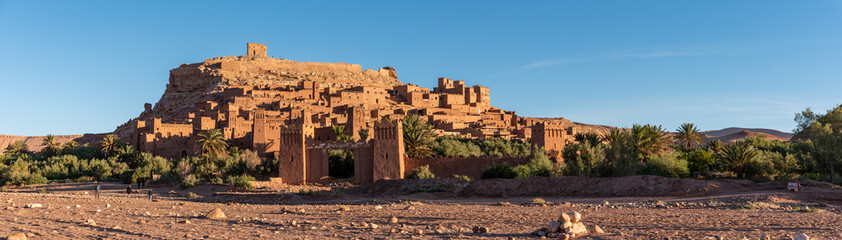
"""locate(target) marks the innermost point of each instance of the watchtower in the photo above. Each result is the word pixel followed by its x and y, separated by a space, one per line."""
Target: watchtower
pixel 256 49
pixel 388 150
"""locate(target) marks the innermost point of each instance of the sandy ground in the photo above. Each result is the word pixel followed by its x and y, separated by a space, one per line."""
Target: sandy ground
pixel 68 212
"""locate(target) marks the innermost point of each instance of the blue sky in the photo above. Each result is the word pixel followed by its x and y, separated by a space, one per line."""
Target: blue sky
pixel 72 67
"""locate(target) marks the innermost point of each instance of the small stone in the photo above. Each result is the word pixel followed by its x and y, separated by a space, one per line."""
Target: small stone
pixel 77 206
pixel 765 237
pixel 409 208
pixel 393 220
pixel 107 205
pixel 597 229
pixel 575 217
pixel 34 205
pixel 216 214
pixel 566 225
pixel 116 228
pixel 418 232
pixel 605 203
pixel 563 237
pixel 378 207
pixel 553 226
pixel 184 221
pixel 90 222
pixel 344 208
pixel 801 236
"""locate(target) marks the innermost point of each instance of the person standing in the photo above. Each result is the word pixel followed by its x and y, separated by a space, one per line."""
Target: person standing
pixel 129 190
pixel 98 188
pixel 150 194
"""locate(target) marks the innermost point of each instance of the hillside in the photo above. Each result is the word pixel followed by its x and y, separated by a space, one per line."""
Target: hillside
pixel 34 142
pixel 736 133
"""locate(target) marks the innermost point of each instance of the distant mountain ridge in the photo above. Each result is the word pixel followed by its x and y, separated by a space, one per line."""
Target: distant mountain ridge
pixel 737 134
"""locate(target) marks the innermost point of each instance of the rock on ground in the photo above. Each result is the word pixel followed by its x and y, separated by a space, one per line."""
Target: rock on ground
pixel 16 236
pixel 216 213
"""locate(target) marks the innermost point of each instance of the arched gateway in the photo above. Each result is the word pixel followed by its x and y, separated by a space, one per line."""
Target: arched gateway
pixel 303 159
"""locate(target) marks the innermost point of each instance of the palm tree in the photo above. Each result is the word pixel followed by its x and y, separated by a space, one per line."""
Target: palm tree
pixel 51 147
pixel 614 136
pixel 417 136
pixel 341 133
pixel 715 145
pixel 737 157
pixel 590 138
pixel 689 136
pixel 17 148
pixel 110 143
pixel 649 140
pixel 212 142
pixel 363 134
pixel 70 146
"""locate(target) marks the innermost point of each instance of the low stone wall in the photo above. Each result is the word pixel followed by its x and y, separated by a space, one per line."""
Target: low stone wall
pixel 469 166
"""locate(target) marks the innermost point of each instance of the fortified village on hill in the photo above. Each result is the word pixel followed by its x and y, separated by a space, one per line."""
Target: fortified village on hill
pixel 287 110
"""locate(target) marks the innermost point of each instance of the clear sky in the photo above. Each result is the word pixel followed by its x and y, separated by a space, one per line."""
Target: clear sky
pixel 72 67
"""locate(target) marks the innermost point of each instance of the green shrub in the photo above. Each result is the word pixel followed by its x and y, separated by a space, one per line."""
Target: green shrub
pixel 583 159
pixel 667 165
pixel 522 171
pixel 189 181
pixel 539 164
pixel 503 170
pixel 217 180
pixel 699 160
pixel 241 182
pixel 36 178
pixel 422 172
pixel 463 178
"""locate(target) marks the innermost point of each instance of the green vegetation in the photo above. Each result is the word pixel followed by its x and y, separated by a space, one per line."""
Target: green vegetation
pixel 422 172
pixel 212 142
pixel 466 147
pixel 462 178
pixel 688 136
pixel 115 161
pixel 417 136
pixel 340 163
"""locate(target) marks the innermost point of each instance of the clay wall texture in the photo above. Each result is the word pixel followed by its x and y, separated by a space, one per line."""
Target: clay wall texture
pixel 469 166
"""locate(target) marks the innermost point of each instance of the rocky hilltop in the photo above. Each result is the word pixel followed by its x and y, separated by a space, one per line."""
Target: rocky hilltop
pixel 205 81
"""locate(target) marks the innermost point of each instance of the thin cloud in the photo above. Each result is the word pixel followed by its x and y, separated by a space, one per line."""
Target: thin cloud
pixel 553 62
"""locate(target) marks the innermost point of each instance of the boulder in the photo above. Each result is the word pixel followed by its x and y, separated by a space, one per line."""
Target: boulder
pixel 564 218
pixel 578 229
pixel 16 236
pixel 216 213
